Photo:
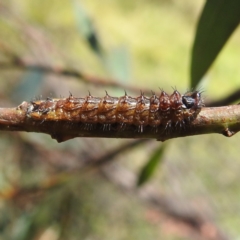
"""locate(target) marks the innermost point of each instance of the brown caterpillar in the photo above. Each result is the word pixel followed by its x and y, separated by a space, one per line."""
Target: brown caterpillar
pixel 164 110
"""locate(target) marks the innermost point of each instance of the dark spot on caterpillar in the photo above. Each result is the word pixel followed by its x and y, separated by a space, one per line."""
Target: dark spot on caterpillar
pixel 190 99
pixel 167 111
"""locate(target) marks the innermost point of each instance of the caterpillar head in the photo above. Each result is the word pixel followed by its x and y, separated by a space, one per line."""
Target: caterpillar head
pixel 192 100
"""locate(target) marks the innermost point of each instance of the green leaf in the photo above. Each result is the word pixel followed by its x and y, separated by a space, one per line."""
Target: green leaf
pixel 86 27
pixel 148 170
pixel 217 22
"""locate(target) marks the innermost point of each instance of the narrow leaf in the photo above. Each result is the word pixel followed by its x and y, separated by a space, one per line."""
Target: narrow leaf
pixel 148 170
pixel 86 27
pixel 217 22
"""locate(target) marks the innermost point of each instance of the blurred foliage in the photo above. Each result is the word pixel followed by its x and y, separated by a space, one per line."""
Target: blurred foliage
pixel 151 165
pixel 45 193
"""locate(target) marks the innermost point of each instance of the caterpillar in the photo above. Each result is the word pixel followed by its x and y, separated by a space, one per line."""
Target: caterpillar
pixel 165 110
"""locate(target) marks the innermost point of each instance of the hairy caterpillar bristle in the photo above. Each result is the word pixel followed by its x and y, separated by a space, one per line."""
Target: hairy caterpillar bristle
pixel 165 110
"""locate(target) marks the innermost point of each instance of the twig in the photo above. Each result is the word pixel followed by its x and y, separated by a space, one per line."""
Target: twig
pixel 110 155
pixel 18 63
pixel 222 120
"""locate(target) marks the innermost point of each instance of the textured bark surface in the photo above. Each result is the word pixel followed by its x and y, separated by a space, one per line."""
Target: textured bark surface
pixel 223 120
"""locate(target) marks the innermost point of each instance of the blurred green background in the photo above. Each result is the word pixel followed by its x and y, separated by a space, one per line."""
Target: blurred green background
pixel 46 193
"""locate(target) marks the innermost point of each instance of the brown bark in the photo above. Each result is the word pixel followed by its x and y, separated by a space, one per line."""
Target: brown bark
pixel 222 120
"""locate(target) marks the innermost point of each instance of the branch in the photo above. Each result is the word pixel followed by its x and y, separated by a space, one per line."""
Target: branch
pixel 222 120
pixel 111 155
pixel 19 63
